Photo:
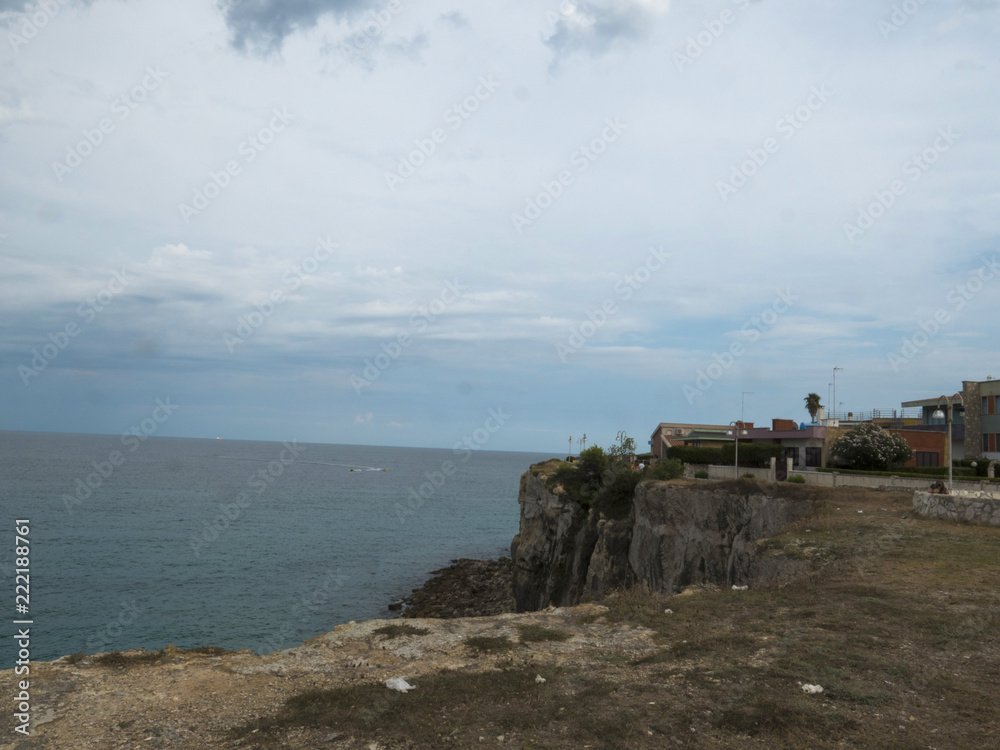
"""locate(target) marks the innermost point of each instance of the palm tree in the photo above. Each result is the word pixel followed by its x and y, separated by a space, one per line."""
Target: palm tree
pixel 813 405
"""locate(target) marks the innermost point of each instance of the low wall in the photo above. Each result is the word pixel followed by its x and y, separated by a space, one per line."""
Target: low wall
pixel 976 507
pixel 834 479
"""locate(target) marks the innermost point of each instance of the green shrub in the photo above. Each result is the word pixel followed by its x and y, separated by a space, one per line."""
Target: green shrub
pixel 665 469
pixel 701 474
pixel 690 454
pixel 796 479
pixel 756 455
pixel 748 475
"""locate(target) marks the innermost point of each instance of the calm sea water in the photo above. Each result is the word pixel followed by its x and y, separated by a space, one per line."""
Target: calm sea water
pixel 232 543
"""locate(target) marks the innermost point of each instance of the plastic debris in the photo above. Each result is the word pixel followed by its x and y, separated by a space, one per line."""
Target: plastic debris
pixel 740 588
pixel 668 611
pixel 539 679
pixel 398 683
pixel 812 689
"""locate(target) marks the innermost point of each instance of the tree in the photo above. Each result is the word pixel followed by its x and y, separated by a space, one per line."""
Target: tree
pixel 813 405
pixel 870 448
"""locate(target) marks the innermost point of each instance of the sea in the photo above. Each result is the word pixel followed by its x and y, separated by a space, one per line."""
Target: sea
pixel 141 543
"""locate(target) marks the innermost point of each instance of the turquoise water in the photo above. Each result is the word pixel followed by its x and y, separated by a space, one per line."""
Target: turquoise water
pixel 237 544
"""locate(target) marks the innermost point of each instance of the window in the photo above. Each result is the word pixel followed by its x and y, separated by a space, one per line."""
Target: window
pixel 926 458
pixel 993 443
pixel 986 443
pixel 814 456
pixel 992 405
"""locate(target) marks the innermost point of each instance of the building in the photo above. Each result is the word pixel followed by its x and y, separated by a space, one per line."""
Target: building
pixel 806 445
pixel 981 401
pixel 975 428
pixel 669 434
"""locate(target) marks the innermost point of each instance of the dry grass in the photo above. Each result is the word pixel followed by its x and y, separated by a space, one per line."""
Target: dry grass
pixel 897 618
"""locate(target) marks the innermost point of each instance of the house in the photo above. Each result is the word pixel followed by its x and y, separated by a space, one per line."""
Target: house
pixel 806 445
pixel 669 434
pixel 982 418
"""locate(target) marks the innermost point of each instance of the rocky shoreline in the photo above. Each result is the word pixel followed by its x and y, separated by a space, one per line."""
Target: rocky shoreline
pixel 466 588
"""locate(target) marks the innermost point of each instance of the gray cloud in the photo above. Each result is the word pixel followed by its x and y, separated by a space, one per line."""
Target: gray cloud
pixel 456 19
pixel 595 27
pixel 262 25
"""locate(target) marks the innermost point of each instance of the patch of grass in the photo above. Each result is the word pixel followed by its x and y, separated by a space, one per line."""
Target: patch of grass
pixel 207 651
pixel 796 479
pixel 119 660
pixel 443 703
pixel 395 631
pixel 762 715
pixel 126 724
pixel 77 657
pixel 488 644
pixel 539 633
pixel 701 474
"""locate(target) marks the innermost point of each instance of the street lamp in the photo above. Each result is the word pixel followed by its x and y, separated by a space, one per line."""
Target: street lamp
pixel 938 414
pixel 737 426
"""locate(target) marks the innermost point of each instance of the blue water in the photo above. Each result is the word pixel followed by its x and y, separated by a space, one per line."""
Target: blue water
pixel 217 542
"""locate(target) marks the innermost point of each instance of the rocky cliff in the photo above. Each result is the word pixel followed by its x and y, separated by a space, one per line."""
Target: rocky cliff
pixel 676 534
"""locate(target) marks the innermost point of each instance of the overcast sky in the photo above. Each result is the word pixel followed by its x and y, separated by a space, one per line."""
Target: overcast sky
pixel 368 222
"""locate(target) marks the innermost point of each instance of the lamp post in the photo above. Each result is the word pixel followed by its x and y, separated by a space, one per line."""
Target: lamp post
pixel 737 425
pixel 950 416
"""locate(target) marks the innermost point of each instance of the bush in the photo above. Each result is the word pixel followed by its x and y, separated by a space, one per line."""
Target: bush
pixel 756 455
pixel 868 446
pixel 796 479
pixel 701 474
pixel 748 475
pixel 665 469
pixel 690 454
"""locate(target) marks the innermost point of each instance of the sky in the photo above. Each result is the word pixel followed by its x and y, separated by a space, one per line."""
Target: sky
pixel 412 224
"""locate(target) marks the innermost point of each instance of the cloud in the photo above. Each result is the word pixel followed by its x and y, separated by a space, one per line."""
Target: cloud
pixel 456 19
pixel 262 25
pixel 363 418
pixel 596 27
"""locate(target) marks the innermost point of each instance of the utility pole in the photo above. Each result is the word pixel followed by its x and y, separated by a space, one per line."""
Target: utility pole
pixel 835 387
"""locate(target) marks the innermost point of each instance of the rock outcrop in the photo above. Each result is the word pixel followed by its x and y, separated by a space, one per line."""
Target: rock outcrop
pixel 562 551
pixel 677 533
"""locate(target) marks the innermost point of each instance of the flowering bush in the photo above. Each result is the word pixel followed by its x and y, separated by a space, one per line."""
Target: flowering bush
pixel 869 447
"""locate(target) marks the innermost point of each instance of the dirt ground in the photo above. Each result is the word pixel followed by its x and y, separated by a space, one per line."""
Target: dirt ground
pixel 895 617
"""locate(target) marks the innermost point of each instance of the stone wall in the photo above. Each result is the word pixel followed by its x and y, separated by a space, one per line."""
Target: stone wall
pixel 975 507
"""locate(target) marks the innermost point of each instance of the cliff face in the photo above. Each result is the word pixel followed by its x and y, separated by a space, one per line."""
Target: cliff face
pixel 562 551
pixel 677 534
